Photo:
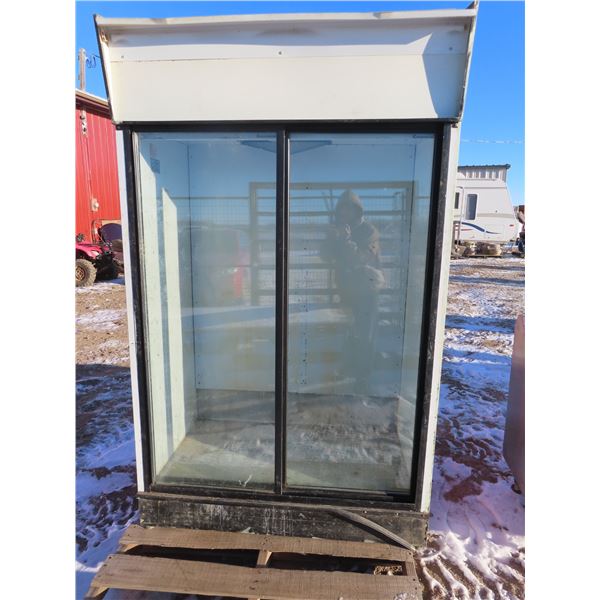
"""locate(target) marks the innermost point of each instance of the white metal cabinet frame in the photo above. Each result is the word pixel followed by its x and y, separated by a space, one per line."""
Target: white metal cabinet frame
pixel 435 289
pixel 428 111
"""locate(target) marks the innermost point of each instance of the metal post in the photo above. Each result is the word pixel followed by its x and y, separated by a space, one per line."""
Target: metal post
pixel 254 247
pixel 82 59
pixel 281 303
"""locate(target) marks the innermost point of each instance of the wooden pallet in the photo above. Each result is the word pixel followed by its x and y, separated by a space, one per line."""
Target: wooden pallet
pixel 188 561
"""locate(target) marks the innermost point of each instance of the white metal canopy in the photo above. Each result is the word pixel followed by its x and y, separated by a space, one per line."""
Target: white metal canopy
pixel 336 66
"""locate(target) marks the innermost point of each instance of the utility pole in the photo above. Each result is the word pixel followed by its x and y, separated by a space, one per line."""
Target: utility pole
pixel 82 59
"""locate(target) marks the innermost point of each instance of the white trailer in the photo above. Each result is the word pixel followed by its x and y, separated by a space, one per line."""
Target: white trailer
pixel 484 217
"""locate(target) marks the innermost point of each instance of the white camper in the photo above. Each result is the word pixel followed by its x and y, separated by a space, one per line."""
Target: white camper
pixel 483 212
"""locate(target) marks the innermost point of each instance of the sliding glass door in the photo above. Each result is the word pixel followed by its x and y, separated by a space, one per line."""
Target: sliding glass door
pixel 209 242
pixel 359 216
pixel 350 258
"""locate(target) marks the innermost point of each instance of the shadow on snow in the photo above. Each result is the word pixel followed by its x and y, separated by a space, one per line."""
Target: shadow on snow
pixel 469 323
pixel 486 281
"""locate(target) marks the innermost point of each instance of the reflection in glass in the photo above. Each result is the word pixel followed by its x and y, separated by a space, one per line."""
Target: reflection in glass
pixel 208 235
pixel 359 214
pixel 359 209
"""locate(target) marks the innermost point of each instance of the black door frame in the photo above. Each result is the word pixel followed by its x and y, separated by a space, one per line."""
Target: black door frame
pixel 441 131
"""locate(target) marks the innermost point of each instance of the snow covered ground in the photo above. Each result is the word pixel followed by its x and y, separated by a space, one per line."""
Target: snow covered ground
pixel 476 542
pixel 475 548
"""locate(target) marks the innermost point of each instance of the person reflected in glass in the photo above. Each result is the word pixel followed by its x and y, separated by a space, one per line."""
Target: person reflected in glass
pixel 352 246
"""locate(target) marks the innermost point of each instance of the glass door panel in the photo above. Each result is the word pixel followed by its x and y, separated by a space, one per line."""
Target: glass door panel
pixel 207 214
pixel 359 209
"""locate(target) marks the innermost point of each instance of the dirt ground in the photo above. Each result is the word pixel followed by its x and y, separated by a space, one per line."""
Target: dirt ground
pixel 101 333
pixel 475 548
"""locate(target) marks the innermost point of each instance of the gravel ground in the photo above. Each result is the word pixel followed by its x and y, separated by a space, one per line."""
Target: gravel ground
pixel 475 548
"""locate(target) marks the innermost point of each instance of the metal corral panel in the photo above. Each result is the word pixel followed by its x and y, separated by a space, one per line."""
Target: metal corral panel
pixel 388 65
pixel 97 186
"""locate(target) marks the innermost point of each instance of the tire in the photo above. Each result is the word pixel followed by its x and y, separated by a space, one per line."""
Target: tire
pixel 85 272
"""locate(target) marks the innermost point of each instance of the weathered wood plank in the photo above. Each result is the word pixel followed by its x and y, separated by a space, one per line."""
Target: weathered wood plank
pixel 193 539
pixel 96 592
pixel 128 572
pixel 411 570
pixel 282 519
pixel 263 558
pixel 261 561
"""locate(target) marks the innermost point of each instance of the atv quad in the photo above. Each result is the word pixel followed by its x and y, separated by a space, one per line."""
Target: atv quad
pixel 93 261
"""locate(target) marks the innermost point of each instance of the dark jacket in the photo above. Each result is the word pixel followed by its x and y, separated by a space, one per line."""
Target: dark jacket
pixel 354 251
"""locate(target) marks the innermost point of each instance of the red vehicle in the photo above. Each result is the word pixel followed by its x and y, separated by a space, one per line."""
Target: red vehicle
pixel 93 261
pixel 111 234
pixel 220 266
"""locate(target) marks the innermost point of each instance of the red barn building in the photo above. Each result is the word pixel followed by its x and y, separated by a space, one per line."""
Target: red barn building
pixel 97 186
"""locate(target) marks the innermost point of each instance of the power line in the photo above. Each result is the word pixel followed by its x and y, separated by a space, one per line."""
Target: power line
pixel 85 61
pixel 492 141
pixel 90 61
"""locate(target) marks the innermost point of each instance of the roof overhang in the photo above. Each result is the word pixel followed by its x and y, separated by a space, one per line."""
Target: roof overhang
pixel 504 166
pixel 335 66
pixel 91 101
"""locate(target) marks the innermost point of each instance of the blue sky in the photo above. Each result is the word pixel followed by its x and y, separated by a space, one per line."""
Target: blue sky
pixel 494 118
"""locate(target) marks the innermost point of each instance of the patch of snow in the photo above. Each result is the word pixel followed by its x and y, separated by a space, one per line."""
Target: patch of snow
pixel 101 320
pixel 476 541
pixel 101 286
